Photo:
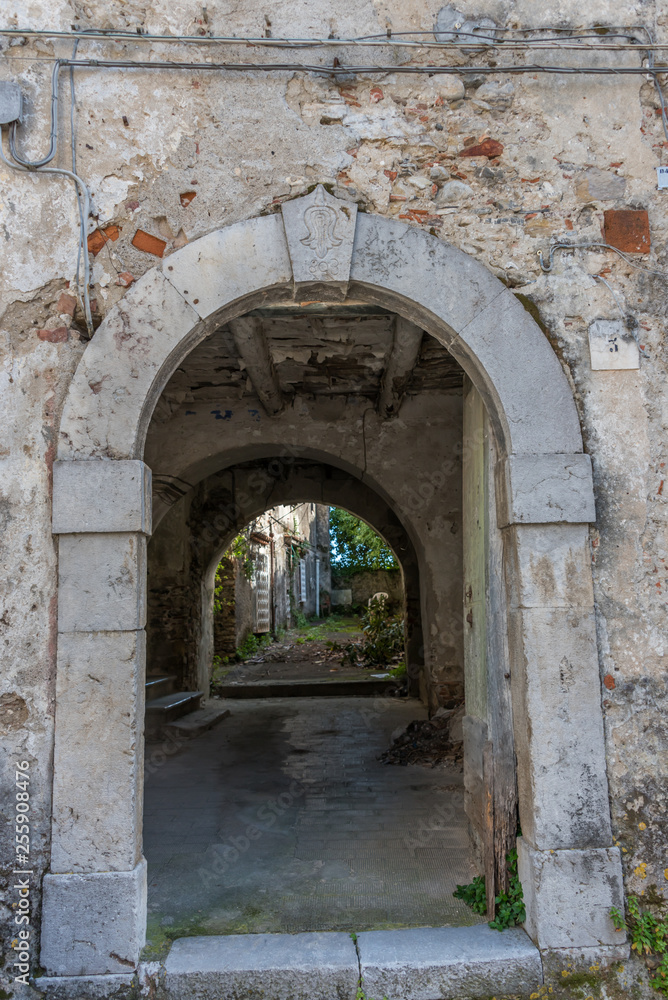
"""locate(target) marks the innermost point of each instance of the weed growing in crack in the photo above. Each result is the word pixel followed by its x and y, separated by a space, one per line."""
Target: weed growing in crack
pixel 509 906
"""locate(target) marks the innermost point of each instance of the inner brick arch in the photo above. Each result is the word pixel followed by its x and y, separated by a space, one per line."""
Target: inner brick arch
pixel 94 897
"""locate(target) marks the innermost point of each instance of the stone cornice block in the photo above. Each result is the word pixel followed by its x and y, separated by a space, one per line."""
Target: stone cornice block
pixel 545 489
pixel 101 497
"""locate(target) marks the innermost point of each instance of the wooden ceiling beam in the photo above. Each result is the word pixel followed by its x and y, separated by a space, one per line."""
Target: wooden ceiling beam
pixel 254 356
pixel 403 356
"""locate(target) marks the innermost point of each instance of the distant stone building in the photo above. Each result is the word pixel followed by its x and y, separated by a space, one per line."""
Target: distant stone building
pixel 282 571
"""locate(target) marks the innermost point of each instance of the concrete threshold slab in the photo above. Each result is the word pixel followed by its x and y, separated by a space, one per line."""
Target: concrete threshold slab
pixel 465 963
pixel 313 966
pixel 308 689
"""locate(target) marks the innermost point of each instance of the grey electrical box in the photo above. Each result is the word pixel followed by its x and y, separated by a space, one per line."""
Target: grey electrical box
pixel 11 103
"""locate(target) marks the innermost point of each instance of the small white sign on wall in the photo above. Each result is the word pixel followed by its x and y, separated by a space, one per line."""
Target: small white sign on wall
pixel 662 177
pixel 612 345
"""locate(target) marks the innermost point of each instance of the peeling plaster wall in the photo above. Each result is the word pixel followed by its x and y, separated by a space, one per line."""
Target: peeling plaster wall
pixel 572 147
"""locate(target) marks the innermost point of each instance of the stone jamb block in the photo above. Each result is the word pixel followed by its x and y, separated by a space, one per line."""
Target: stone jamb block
pixel 545 489
pixel 433 962
pixel 549 566
pixel 102 582
pixel 101 497
pixel 310 966
pixel 320 231
pixel 558 722
pixel 98 768
pixel 568 895
pixel 93 924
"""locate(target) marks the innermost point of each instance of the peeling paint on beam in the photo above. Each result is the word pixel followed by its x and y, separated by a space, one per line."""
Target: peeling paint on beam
pixel 253 349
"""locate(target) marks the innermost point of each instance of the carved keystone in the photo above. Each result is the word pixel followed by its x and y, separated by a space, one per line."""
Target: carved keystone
pixel 320 231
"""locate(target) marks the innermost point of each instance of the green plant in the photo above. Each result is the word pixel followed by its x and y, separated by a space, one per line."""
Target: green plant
pixel 509 908
pixel 646 923
pixel 252 644
pixel 399 671
pixel 382 640
pixel 473 894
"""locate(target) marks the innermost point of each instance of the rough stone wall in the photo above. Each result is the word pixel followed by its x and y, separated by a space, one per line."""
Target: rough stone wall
pixel 573 147
pixel 364 585
pixel 224 621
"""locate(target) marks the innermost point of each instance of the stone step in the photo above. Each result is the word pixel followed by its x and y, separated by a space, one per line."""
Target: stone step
pixel 412 964
pixel 198 722
pixel 158 685
pixel 310 688
pixel 169 707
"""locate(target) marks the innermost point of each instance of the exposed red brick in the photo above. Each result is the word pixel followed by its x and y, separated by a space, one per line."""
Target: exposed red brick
pixel 66 304
pixel 376 94
pixel 627 229
pixel 609 681
pixel 569 224
pixel 97 239
pixel 57 336
pixel 187 197
pixel 148 243
pixel 488 148
pixel 392 174
pixel 124 279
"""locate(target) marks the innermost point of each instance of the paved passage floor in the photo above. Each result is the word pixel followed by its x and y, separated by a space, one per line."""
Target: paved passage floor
pixel 282 819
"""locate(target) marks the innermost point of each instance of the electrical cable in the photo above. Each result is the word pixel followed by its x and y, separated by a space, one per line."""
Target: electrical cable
pixel 427 39
pixel 546 268
pixel 86 201
pixel 83 244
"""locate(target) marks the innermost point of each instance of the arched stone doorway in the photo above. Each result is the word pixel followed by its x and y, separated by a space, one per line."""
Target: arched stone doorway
pixel 94 896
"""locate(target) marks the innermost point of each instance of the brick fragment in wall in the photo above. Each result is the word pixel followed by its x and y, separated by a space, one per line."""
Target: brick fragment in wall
pixel 66 305
pixel 148 243
pixel 57 336
pixel 98 239
pixel 627 229
pixel 488 148
pixel 186 197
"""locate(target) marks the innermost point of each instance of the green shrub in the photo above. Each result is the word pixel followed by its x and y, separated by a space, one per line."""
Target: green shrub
pixel 382 637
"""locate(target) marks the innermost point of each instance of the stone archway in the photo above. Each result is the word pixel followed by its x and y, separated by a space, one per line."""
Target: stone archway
pixel 95 895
